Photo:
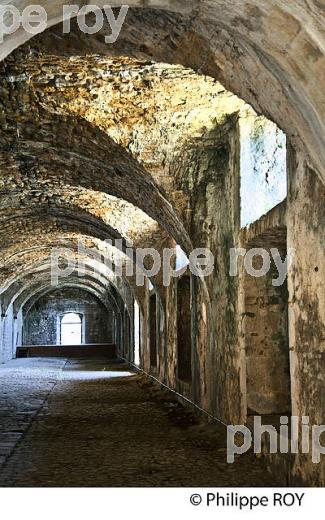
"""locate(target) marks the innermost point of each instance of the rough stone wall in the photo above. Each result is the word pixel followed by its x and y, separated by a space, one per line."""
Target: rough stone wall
pixel 225 375
pixel 184 329
pixel 213 222
pixel 263 319
pixel 265 329
pixel 119 146
pixel 6 330
pixel 207 172
pixel 171 334
pixel 306 215
pixel 41 322
pixel 18 330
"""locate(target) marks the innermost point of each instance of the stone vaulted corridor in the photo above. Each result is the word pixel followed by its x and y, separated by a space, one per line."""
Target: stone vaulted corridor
pixel 162 213
pixel 91 423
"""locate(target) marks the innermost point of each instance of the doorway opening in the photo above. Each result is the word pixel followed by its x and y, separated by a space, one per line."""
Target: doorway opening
pixel 71 329
pixel 184 338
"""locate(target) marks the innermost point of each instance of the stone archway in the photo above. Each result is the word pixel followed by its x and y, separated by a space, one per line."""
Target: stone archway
pixel 255 49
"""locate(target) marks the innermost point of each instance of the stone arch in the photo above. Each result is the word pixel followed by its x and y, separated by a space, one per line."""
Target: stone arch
pixel 94 162
pixel 244 44
pixel 31 294
pixel 35 272
pixel 47 307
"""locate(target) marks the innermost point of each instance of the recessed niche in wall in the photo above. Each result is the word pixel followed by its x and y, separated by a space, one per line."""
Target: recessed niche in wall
pixel 184 341
pixel 266 336
pixel 153 329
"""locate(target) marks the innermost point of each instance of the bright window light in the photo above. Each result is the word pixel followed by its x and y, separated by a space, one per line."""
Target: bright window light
pixel 71 329
pixel 181 258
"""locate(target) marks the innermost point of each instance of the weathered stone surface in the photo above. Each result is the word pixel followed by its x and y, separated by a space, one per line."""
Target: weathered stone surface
pixel 42 321
pixel 141 141
pixel 255 48
pixel 76 420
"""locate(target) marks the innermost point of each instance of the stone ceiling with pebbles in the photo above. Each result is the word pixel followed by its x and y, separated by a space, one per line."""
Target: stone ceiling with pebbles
pixel 153 112
pixel 269 52
pixel 35 277
pixel 89 147
pixel 92 136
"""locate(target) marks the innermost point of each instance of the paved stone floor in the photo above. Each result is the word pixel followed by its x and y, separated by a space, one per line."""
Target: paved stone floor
pixel 90 423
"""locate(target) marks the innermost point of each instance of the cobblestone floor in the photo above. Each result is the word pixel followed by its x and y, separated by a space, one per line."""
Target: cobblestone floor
pixel 86 423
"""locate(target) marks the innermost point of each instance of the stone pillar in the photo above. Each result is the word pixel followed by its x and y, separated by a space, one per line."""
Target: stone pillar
pixel 306 285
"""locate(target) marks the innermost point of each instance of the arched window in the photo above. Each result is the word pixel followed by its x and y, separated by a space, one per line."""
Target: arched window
pixel 71 332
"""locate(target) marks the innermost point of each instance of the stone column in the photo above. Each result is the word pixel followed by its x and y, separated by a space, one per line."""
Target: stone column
pixel 306 284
